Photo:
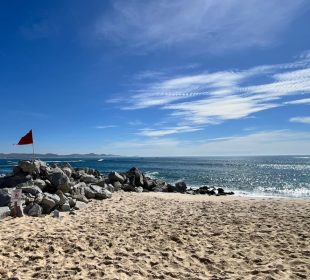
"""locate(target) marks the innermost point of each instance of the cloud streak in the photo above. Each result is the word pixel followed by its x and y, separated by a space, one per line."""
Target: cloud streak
pixel 213 98
pixel 305 120
pixel 215 26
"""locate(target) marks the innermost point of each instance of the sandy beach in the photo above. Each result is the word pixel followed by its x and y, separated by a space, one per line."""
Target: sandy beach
pixel 162 236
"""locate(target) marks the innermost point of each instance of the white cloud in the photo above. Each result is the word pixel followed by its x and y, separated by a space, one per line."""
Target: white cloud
pixel 105 126
pixel 305 120
pixel 167 131
pixel 209 25
pixel 299 101
pixel 212 98
pixel 277 142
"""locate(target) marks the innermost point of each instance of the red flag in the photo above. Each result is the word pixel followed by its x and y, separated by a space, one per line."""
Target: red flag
pixel 27 139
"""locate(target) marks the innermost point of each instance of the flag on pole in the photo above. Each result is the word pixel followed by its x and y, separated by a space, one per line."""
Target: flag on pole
pixel 27 139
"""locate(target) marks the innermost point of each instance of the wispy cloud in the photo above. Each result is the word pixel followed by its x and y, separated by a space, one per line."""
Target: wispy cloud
pixel 105 126
pixel 299 101
pixel 305 120
pixel 213 98
pixel 167 131
pixel 213 25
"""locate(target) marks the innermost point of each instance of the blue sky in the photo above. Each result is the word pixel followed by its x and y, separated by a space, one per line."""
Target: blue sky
pixel 156 78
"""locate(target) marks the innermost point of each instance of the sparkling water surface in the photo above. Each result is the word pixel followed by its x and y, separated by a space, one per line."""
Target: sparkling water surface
pixel 258 176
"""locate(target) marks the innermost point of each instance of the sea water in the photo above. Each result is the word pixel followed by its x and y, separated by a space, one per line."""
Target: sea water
pixel 287 176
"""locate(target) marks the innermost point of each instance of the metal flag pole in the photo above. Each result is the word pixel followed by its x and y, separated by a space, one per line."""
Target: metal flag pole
pixel 32 150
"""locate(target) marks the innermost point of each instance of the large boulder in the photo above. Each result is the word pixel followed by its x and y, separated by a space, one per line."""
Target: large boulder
pixel 116 177
pixel 135 176
pixel 5 197
pixel 101 193
pixel 34 190
pixel 79 189
pixel 47 204
pixel 34 210
pixel 40 183
pixel 89 192
pixel 59 179
pixel 12 181
pixel 117 186
pixel 4 212
pixel 88 179
pixel 178 187
pixel 30 167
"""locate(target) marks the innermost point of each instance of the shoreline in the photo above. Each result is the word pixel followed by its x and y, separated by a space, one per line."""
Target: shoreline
pixel 162 236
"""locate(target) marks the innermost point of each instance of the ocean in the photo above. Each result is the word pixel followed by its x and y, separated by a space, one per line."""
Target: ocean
pixel 284 176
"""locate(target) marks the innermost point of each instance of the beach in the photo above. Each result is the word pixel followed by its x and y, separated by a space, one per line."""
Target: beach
pixel 162 236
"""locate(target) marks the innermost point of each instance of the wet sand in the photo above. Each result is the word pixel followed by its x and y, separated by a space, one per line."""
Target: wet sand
pixel 162 236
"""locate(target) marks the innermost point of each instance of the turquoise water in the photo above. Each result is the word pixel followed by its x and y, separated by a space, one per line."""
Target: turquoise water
pixel 259 176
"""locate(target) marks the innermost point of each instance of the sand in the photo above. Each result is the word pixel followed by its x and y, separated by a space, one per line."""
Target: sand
pixel 162 236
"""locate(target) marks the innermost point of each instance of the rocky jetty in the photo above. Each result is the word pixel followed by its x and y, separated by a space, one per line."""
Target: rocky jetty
pixel 46 188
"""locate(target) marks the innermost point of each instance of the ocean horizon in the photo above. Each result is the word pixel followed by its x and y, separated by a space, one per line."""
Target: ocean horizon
pixel 270 176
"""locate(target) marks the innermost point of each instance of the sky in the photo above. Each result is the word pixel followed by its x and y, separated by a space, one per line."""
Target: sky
pixel 156 78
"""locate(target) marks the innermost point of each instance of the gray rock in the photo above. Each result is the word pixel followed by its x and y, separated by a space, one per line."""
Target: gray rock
pixel 101 193
pixel 71 201
pixel 4 212
pixel 114 176
pixel 79 189
pixel 117 186
pixel 67 171
pixel 5 197
pixel 180 187
pixel 40 183
pixel 39 198
pixel 89 179
pixel 54 196
pixel 89 193
pixel 59 179
pixel 31 167
pixel 35 210
pixel 47 204
pixel 135 176
pixel 139 189
pixel 109 187
pixel 34 190
pixel 65 207
pixel 12 181
pixel 80 197
pixel 80 205
pixel 63 198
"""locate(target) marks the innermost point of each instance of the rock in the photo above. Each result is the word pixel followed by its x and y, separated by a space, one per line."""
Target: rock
pixel 89 179
pixel 101 193
pixel 67 171
pixel 135 176
pixel 110 188
pixel 117 186
pixel 180 187
pixel 63 198
pixel 47 204
pixel 79 189
pixel 114 176
pixel 59 179
pixel 220 191
pixel 89 193
pixel 148 184
pixel 4 212
pixel 80 197
pixel 80 205
pixel 65 207
pixel 54 197
pixel 40 183
pixel 39 198
pixel 128 188
pixel 139 189
pixel 5 197
pixel 34 210
pixel 12 181
pixel 71 201
pixel 30 167
pixel 34 190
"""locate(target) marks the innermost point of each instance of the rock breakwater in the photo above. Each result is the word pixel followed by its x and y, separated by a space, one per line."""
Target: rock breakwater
pixel 46 188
